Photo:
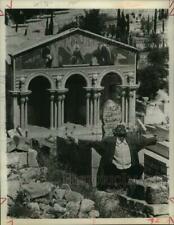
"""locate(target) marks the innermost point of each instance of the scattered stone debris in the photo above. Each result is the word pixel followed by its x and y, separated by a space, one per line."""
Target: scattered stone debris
pixel 31 196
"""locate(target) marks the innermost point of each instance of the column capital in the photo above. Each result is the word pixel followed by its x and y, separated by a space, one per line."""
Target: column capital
pixel 25 93
pixel 14 93
pixel 60 91
pixel 22 100
pixel 63 96
pixel 51 97
pixel 59 97
pixel 95 95
pixel 88 95
pixel 51 91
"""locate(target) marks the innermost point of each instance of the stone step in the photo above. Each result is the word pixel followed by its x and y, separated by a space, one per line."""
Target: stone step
pixel 141 207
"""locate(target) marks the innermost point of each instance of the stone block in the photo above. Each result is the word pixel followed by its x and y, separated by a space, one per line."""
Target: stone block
pixel 87 205
pixel 32 158
pixel 157 209
pixel 73 209
pixel 157 194
pixel 73 196
pixel 13 188
pixel 59 209
pixel 59 194
pixel 37 190
pixel 17 159
pixel 28 174
pixel 136 189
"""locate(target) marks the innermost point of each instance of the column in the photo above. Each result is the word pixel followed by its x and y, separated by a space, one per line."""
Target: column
pixel 91 111
pixel 98 108
pixel 16 108
pixel 87 109
pixel 95 108
pixel 127 109
pixel 55 112
pixel 51 111
pixel 26 112
pixel 59 110
pixel 132 107
pixel 22 112
pixel 123 106
pixel 62 105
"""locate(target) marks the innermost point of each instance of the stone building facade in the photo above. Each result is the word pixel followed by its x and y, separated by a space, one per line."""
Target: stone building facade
pixel 68 77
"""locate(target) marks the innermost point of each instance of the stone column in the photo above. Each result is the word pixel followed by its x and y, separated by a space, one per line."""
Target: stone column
pixel 16 108
pixel 26 112
pixel 127 109
pixel 98 108
pixel 132 107
pixel 55 112
pixel 62 105
pixel 22 112
pixel 95 109
pixel 51 111
pixel 123 106
pixel 88 109
pixel 59 110
pixel 91 111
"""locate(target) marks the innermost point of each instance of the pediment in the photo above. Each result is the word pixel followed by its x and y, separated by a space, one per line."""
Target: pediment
pixel 74 47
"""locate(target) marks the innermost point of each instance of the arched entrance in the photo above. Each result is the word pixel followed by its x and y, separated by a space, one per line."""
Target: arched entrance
pixel 111 90
pixel 75 101
pixel 110 113
pixel 38 104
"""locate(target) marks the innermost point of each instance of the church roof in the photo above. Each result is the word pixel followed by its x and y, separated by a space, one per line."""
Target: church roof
pixel 29 45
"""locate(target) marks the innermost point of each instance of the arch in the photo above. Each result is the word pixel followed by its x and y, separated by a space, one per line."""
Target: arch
pixel 106 72
pixel 68 75
pixel 39 102
pixel 75 101
pixel 34 75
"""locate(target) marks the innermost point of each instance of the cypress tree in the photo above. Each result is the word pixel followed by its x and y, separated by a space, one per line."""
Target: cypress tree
pixel 118 34
pixel 163 28
pixel 51 25
pixel 123 27
pixel 46 29
pixel 155 21
pixel 127 27
pixel 148 25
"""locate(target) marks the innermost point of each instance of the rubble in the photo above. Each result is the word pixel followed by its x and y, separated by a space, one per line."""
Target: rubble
pixel 39 198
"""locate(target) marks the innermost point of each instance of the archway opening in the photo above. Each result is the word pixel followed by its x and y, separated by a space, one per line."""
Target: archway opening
pixel 75 101
pixel 110 102
pixel 111 90
pixel 38 104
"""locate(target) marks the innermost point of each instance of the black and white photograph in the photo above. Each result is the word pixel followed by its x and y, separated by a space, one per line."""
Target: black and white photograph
pixel 87 113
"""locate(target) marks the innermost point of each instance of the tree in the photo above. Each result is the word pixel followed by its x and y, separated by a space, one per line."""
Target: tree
pixel 123 27
pixel 154 76
pixel 51 25
pixel 146 25
pixel 127 26
pixel 155 21
pixel 118 31
pixel 47 29
pixel 93 21
pixel 155 40
pixel 158 57
pixel 163 27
